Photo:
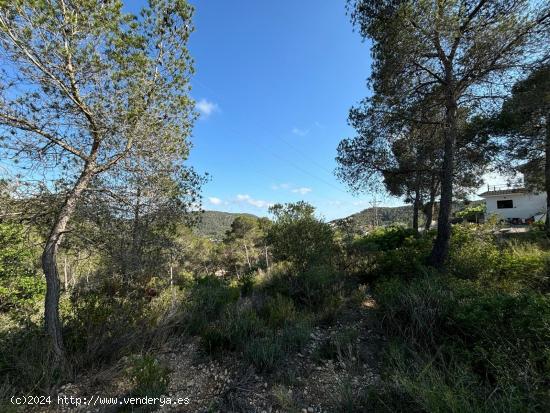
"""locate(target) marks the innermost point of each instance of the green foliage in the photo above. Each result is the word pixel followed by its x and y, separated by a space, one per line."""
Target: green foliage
pixel 25 363
pixel 15 255
pixel 298 237
pixel 215 224
pixel 342 345
pixel 472 213
pixel 264 352
pixel 208 297
pixel 471 340
pixel 148 376
pixel 279 310
pixel 236 326
pixel 21 288
pixel 384 239
pixel 311 289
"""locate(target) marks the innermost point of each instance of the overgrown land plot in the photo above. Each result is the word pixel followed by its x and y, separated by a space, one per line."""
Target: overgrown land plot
pixel 118 293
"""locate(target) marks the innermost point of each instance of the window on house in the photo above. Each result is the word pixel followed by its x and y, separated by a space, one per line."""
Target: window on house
pixel 507 203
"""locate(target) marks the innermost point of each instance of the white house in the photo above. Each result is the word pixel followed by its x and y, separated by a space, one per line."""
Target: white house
pixel 514 204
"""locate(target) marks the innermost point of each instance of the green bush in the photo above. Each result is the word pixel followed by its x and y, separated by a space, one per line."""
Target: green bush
pixel 310 289
pixel 384 239
pixel 25 362
pixel 342 345
pixel 474 252
pixel 525 266
pixel 475 340
pixel 208 297
pixel 279 310
pixel 294 336
pixel 265 353
pixel 234 329
pixel 148 376
pixel 405 262
pixel 300 238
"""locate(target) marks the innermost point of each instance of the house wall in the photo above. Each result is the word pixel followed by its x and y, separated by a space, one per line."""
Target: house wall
pixel 525 205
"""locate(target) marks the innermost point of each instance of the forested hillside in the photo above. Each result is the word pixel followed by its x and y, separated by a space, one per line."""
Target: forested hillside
pixel 214 224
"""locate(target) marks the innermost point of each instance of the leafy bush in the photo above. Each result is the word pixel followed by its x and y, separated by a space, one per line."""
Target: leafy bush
pixel 384 239
pixel 298 237
pixel 208 297
pixel 148 376
pixel 233 330
pixel 474 341
pixel 264 352
pixel 25 363
pixel 525 265
pixel 21 288
pixel 279 310
pixel 311 289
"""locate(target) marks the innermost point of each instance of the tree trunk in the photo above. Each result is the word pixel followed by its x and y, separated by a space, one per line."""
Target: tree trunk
pixel 547 174
pixel 135 257
pixel 266 260
pixel 65 275
pixel 431 207
pixel 247 257
pixel 440 249
pixel 52 322
pixel 416 203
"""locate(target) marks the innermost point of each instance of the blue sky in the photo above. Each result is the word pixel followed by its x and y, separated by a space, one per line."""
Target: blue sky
pixel 274 82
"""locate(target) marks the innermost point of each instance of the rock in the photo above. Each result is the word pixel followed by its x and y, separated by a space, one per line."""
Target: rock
pixel 310 409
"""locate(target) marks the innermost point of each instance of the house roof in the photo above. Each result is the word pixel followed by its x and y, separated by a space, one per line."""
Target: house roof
pixel 507 191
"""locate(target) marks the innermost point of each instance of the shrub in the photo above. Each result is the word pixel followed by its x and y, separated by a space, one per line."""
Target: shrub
pixel 474 252
pixel 298 237
pixel 415 311
pixel 384 239
pixel 340 346
pixel 405 262
pixel 465 341
pixel 208 297
pixel 310 289
pixel 294 336
pixel 25 363
pixel 265 353
pixel 278 310
pixel 525 265
pixel 236 327
pixel 148 376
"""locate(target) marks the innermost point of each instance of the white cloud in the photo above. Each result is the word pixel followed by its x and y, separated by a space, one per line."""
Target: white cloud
pixel 302 190
pixel 206 108
pixel 300 132
pixel 280 186
pixel 258 203
pixel 215 201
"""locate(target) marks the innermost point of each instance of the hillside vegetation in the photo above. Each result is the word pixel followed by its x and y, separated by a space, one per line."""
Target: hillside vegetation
pixel 116 297
pixel 214 224
pixel 470 338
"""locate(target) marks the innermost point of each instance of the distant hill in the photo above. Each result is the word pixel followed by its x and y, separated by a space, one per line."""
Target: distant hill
pixel 392 215
pixel 382 215
pixel 214 224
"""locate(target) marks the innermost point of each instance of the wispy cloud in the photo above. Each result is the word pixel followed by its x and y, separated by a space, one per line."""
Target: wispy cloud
pixel 258 203
pixel 280 186
pixel 302 190
pixel 300 132
pixel 206 108
pixel 214 201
